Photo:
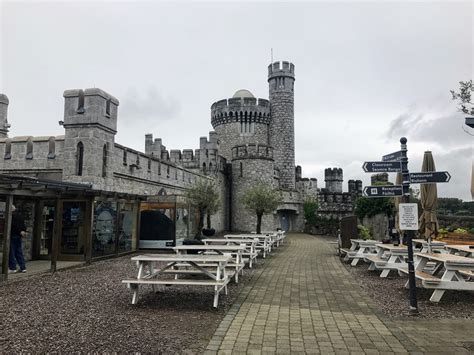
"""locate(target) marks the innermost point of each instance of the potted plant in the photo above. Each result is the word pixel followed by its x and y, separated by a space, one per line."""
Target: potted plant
pixel 204 196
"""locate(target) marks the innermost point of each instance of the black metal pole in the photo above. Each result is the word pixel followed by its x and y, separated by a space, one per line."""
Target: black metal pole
pixel 408 234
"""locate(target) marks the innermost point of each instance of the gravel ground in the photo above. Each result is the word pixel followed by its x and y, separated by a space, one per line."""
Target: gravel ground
pixel 88 310
pixel 391 296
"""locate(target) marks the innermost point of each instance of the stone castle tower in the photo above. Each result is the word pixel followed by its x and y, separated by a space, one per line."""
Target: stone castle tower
pixel 83 110
pixel 281 82
pixel 333 178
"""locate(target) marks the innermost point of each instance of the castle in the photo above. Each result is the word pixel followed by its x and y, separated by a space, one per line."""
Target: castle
pixel 253 142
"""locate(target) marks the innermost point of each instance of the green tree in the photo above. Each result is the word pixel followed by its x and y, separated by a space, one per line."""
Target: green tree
pixel 261 199
pixel 310 206
pixel 464 98
pixel 204 196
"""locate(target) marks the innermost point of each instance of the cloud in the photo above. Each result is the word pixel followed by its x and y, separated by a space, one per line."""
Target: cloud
pixel 148 104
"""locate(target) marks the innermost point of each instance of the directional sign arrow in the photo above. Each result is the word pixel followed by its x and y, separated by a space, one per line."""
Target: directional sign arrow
pixel 383 191
pixel 395 156
pixel 382 167
pixel 430 177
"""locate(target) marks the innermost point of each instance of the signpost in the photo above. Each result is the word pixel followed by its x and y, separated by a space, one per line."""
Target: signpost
pixel 430 177
pixel 408 212
pixel 383 191
pixel 395 156
pixel 382 167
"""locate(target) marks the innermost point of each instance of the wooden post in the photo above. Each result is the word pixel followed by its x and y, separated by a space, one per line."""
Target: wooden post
pixel 56 242
pixel 37 229
pixel 6 236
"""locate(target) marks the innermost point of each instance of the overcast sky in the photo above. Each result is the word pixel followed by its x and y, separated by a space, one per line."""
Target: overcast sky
pixel 367 73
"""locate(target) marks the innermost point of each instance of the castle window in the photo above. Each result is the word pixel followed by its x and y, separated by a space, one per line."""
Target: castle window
pixel 210 167
pixel 29 149
pixel 204 167
pixel 167 171
pixel 241 169
pixel 149 164
pixel 80 102
pixel 51 148
pixel 8 149
pixel 104 161
pixel 159 168
pixel 79 158
pixel 107 107
pixel 125 157
pixel 176 173
pixel 138 161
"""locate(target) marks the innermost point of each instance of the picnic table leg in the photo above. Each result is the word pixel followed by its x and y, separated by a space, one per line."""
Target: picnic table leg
pixel 134 288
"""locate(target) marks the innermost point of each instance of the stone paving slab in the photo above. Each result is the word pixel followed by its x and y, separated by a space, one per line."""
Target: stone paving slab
pixel 301 299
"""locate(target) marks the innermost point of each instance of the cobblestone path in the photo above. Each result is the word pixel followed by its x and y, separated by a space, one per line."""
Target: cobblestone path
pixel 303 300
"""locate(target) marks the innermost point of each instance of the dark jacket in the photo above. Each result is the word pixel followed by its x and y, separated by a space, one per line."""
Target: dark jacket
pixel 18 224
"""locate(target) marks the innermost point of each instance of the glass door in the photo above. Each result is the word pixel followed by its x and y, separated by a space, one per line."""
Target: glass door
pixel 73 231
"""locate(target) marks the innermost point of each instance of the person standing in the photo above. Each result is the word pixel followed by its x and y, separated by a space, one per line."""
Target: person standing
pixel 18 231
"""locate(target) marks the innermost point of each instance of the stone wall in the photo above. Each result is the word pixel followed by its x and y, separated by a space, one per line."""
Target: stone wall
pixel 378 226
pixel 334 204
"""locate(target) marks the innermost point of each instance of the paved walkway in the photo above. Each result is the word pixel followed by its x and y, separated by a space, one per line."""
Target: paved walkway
pixel 301 299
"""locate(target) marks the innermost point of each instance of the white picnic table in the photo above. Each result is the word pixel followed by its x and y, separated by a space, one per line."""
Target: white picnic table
pixel 360 248
pixel 235 251
pixel 149 272
pixel 250 252
pixel 264 242
pixel 435 245
pixel 463 250
pixel 389 257
pixel 456 274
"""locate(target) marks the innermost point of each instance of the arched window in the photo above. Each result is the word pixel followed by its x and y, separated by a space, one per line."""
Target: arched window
pixel 80 102
pixel 51 148
pixel 79 158
pixel 210 167
pixel 204 167
pixel 107 108
pixel 104 161
pixel 167 171
pixel 29 149
pixel 8 149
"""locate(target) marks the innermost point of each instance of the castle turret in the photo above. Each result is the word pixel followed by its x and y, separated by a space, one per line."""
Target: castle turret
pixel 153 147
pixel 90 124
pixel 3 116
pixel 242 119
pixel 281 79
pixel 333 178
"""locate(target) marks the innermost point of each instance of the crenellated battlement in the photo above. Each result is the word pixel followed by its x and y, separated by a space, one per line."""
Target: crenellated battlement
pixel 284 68
pixel 252 151
pixel 240 108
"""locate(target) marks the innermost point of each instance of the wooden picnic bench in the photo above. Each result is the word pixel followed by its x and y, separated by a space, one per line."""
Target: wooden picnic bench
pixel 455 275
pixel 463 250
pixel 235 251
pixel 149 272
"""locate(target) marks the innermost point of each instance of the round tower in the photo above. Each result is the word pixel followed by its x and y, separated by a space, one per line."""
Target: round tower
pixel 281 80
pixel 242 119
pixel 251 164
pixel 3 116
pixel 333 179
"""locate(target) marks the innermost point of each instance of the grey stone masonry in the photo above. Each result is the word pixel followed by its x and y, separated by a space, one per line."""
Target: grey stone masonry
pixel 333 178
pixel 3 116
pixel 240 120
pixel 281 78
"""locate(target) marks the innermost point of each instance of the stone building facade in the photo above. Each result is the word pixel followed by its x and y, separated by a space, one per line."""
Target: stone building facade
pixel 253 142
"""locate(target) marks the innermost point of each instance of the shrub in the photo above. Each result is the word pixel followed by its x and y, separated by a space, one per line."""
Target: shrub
pixel 364 232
